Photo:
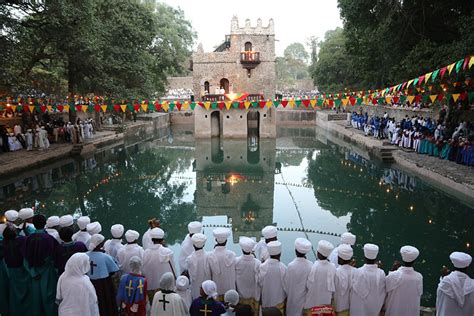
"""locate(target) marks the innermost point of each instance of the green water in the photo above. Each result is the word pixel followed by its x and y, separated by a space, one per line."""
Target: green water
pixel 301 182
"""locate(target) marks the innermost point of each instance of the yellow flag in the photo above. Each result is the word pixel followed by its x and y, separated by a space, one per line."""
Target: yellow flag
pixel 14 108
pixel 313 102
pixel 427 76
pixel 31 107
pixel 471 62
pixel 144 107
pixel 50 108
pixel 345 101
pixel 123 107
pixel 455 96
pixel 291 103
pixel 433 97
pixel 409 83
pixel 411 98
pixel 388 100
pixel 84 108
pixel 228 105
pixel 450 67
pixel 66 108
pixel 207 105
pixel 269 104
pixel 185 105
pixel 247 104
pixel 104 108
pixel 165 106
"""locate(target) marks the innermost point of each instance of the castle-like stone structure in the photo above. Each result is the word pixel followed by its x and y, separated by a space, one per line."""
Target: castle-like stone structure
pixel 241 68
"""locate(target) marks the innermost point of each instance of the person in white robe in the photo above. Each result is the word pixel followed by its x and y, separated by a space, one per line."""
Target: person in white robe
pixel 166 302
pixel 44 134
pixel 26 227
pixel 92 229
pixel 132 248
pixel 343 280
pixel 271 278
pixel 29 139
pixel 83 235
pixel 66 221
pixel 52 225
pixel 11 216
pixel 455 294
pixel 346 239
pixel 222 263
pixel 187 245
pixel 75 293
pixel 368 285
pixel 246 274
pixel 146 239
pixel 157 260
pixel 112 246
pixel 182 288
pixel 404 286
pixel 296 277
pixel 320 283
pixel 269 234
pixel 198 267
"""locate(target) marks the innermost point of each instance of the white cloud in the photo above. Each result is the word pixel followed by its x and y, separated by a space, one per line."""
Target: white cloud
pixel 295 20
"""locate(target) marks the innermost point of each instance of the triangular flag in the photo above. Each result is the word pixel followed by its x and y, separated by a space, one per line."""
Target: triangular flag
pixel 415 81
pixel 31 108
pixel 123 107
pixel 214 105
pixel 185 105
pixel 313 102
pixel 435 74
pixel 276 103
pixel 344 102
pixel 291 103
pixel 284 103
pixel 433 97
pixel 207 105
pixel 409 82
pixel 104 108
pixel 427 76
pixel 228 105
pixel 66 108
pixel 459 65
pixel 166 106
pixel 443 71
pixel 50 108
pixel 440 97
pixel 388 100
pixel 306 102
pixel 411 98
pixel 247 104
pixel 450 67
pixel 14 108
pixel 269 104
pixel 192 105
pixel 455 96
pixel 471 62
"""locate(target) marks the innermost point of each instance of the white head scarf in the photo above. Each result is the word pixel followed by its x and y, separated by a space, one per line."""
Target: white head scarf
pixel 135 264
pixel 78 265
pixel 209 287
pixel 167 282
pixel 182 283
pixel 231 297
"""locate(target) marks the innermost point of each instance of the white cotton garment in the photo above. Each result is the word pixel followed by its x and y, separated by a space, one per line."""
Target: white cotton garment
pixel 198 269
pixel 404 289
pixel 112 247
pixel 187 249
pixel 343 287
pixel 320 284
pixel 295 285
pixel 157 260
pixel 222 267
pixel 146 240
pixel 271 278
pixel 126 253
pixel 246 277
pixel 168 304
pixel 75 291
pixel 367 291
pixel 455 295
pixel 261 250
pixel 82 236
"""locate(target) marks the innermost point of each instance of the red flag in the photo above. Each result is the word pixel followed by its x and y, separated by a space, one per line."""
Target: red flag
pixel 117 107
pixel 157 106
pixel 305 102
pixel 262 104
pixel 443 71
pixel 136 107
pixel 418 98
pixel 440 97
pixel 241 105
pixel 284 103
pixel 97 108
pixel 78 108
pixel 463 96
pixel 60 108
pixel 395 99
pixel 352 101
pixel 466 62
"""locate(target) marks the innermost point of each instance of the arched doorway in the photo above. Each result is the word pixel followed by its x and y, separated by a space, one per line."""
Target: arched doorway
pixel 215 124
pixel 224 83
pixel 253 135
pixel 248 47
pixel 206 87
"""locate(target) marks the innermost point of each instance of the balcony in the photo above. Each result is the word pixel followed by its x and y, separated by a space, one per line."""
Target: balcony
pixel 214 97
pixel 249 59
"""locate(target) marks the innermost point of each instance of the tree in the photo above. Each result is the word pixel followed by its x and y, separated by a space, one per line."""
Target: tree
pixel 292 66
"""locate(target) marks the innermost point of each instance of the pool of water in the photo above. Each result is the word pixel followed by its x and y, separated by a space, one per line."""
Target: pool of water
pixel 302 182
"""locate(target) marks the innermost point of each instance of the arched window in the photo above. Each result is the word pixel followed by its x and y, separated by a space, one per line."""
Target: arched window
pixel 248 47
pixel 206 87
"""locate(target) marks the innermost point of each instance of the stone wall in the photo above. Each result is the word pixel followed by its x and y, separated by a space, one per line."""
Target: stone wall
pixel 300 117
pixel 179 83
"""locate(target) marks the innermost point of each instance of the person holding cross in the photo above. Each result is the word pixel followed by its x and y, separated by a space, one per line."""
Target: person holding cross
pixel 166 302
pixel 207 304
pixel 102 268
pixel 132 290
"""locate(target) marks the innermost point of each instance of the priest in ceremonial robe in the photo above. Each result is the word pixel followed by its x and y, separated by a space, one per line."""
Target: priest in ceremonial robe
pixel 198 267
pixel 343 280
pixel 187 245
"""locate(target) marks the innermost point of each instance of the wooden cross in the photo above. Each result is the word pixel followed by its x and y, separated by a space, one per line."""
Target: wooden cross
pixel 164 301
pixel 129 288
pixel 92 266
pixel 205 310
pixel 140 286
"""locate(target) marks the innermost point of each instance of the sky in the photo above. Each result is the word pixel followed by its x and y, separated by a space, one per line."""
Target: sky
pixel 295 20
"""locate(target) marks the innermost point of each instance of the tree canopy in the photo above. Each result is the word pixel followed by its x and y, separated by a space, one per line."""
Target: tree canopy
pixel 115 47
pixel 292 66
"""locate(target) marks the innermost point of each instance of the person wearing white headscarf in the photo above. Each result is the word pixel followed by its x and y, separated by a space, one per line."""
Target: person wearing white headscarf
pixel 206 303
pixel 346 239
pixel 75 293
pixel 166 302
pixel 83 235
pixel 246 274
pixel 231 301
pixel 182 288
pixel 320 283
pixel 132 248
pixel 455 294
pixel 271 277
pixel 157 260
pixel 296 277
pixel 198 267
pixel 404 286
pixel 112 246
pixel 187 245
pixel 343 280
pixel 52 225
pixel 222 263
pixel 269 234
pixel 368 285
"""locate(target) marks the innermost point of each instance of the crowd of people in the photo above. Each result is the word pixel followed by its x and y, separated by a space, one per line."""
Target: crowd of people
pixel 178 94
pixel 296 94
pixel 423 135
pixel 49 267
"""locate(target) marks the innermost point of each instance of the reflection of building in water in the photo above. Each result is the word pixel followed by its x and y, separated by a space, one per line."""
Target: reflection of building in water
pixel 236 178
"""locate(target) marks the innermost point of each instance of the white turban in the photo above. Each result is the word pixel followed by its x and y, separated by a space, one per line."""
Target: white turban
pixel 269 232
pixel 135 264
pixel 95 240
pixel 274 248
pixel 371 251
pixel 409 253
pixel 131 235
pixel 167 282
pixel 26 213
pixel 221 234
pixel 157 233
pixel 246 244
pixel 11 215
pixel 325 248
pixel 94 228
pixel 182 283
pixel 52 221
pixel 348 238
pixel 199 240
pixel 117 230
pixel 231 297
pixel 66 221
pixel 83 221
pixel 302 245
pixel 194 227
pixel 460 260
pixel 345 252
pixel 209 287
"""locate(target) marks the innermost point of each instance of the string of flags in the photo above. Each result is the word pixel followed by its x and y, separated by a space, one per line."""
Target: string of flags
pixel 426 89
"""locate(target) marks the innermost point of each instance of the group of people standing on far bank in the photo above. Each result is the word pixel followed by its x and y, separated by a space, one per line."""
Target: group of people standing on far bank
pixel 50 267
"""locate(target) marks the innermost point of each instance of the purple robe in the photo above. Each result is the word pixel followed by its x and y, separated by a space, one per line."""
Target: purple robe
pixel 39 248
pixel 64 251
pixel 12 252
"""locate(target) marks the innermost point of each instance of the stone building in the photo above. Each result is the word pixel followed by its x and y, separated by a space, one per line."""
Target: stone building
pixel 241 68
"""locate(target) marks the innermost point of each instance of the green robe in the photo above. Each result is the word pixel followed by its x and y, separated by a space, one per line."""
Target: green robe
pixel 4 289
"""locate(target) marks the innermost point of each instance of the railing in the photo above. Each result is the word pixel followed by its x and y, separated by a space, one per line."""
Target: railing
pixel 250 57
pixel 255 97
pixel 213 97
